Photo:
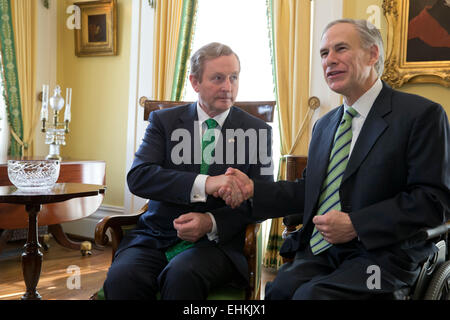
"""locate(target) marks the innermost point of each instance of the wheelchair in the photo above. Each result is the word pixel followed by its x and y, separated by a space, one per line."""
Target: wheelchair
pixel 433 282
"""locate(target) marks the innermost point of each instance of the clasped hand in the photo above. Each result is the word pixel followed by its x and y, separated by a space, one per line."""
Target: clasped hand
pixel 234 187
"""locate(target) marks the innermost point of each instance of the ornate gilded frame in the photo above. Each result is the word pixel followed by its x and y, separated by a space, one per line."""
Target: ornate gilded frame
pixel 102 16
pixel 398 71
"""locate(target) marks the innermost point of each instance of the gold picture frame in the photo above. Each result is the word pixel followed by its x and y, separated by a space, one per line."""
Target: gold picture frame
pixel 98 33
pixel 408 58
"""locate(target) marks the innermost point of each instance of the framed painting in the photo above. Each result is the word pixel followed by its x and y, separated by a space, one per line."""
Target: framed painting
pixel 97 35
pixel 418 42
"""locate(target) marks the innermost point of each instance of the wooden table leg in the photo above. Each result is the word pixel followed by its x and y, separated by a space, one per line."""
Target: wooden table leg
pixel 32 257
pixel 58 233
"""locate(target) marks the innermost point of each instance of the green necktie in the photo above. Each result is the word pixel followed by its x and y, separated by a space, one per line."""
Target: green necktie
pixel 207 138
pixel 329 195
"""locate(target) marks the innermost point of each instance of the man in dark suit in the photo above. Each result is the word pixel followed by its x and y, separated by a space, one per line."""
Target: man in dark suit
pixel 187 243
pixel 378 172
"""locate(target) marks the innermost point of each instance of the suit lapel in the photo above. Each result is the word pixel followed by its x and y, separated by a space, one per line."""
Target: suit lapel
pixel 373 128
pixel 187 121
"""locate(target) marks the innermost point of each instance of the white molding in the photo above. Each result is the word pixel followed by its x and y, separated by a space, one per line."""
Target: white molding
pixel 86 227
pixel 108 210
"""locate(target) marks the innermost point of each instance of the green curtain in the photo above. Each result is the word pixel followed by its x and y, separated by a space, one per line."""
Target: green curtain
pixel 184 47
pixel 10 77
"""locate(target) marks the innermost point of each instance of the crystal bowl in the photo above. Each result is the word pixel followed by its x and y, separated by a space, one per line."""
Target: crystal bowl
pixel 33 174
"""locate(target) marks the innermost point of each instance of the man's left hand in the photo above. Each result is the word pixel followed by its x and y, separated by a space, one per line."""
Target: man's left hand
pixel 335 227
pixel 192 226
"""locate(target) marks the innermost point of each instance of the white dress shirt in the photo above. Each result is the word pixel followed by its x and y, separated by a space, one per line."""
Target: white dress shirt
pixel 363 106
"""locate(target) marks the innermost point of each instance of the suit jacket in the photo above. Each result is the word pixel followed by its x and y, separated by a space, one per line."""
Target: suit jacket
pixel 156 174
pixel 397 180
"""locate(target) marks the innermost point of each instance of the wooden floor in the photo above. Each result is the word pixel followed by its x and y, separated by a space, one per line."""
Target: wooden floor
pixel 53 283
pixel 54 275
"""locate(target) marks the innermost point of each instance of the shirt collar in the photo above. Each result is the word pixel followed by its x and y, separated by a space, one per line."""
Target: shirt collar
pixel 220 118
pixel 365 102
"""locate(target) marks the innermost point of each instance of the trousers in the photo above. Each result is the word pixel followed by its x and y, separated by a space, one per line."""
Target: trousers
pixel 344 271
pixel 140 273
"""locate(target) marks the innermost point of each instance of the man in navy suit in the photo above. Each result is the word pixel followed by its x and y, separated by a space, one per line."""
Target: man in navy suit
pixel 189 242
pixel 396 181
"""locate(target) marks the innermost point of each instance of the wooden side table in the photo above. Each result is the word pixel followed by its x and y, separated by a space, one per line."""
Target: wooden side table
pixel 80 195
pixel 72 171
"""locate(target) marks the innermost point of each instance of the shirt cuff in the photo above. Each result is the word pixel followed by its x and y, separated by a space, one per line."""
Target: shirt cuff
pixel 198 193
pixel 213 236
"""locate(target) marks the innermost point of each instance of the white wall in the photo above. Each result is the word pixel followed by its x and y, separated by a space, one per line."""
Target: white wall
pixel 45 62
pixel 4 133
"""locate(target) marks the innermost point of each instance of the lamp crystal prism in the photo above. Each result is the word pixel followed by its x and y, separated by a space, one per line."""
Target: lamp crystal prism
pixel 55 131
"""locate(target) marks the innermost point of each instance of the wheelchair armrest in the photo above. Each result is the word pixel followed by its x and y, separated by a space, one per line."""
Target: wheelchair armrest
pixel 437 231
pixel 431 233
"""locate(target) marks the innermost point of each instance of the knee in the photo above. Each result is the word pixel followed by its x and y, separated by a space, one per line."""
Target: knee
pixel 182 281
pixel 310 291
pixel 275 290
pixel 179 273
pixel 117 282
pixel 124 282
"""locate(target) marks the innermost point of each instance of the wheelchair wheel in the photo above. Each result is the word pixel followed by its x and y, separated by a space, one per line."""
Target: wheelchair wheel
pixel 439 287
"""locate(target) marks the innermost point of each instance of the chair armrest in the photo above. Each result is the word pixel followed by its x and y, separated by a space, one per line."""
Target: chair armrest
pixel 291 222
pixel 251 233
pixel 251 252
pixel 115 224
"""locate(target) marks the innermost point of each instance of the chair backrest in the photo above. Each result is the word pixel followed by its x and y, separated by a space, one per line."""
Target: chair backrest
pixel 295 166
pixel 263 110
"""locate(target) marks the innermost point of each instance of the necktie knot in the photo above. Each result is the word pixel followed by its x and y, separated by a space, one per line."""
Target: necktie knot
pixel 211 123
pixel 350 113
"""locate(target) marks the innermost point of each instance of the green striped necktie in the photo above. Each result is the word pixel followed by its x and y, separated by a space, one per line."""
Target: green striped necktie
pixel 207 138
pixel 329 194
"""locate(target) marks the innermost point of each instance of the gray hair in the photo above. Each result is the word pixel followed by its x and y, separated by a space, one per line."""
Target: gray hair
pixel 208 52
pixel 369 36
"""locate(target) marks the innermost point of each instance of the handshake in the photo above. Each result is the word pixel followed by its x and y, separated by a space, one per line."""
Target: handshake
pixel 234 187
